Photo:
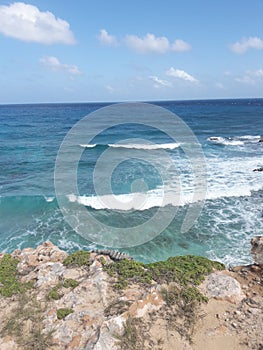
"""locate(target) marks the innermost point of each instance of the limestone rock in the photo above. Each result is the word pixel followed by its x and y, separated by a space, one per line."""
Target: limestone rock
pixel 7 343
pixel 220 286
pixel 107 340
pixel 100 311
pixel 31 258
pixel 152 302
pixel 49 274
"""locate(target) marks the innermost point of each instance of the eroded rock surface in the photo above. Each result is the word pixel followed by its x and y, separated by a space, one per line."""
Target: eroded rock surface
pixel 98 315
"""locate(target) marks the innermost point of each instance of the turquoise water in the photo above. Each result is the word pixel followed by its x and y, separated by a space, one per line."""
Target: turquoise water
pixel 228 131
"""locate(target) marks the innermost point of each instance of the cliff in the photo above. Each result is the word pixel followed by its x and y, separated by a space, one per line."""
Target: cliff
pixel 101 301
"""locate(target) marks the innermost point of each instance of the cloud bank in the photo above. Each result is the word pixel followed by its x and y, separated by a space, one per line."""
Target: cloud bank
pixel 147 44
pixel 152 44
pixel 245 44
pixel 251 77
pixel 27 23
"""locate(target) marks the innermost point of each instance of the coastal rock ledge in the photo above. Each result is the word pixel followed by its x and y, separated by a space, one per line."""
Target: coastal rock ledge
pixel 91 301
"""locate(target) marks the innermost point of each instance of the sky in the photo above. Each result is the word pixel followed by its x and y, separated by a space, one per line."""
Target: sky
pixel 115 50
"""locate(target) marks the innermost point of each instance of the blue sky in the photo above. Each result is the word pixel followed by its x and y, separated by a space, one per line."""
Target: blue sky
pixel 115 50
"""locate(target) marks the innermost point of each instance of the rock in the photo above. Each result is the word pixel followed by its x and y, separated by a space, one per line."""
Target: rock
pixel 107 337
pixel 257 249
pixel 223 287
pixel 7 343
pixel 49 274
pixel 152 302
pixel 100 311
pixel 31 258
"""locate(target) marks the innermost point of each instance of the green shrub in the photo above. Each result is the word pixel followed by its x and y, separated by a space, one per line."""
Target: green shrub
pixel 63 312
pixel 79 259
pixel 70 283
pixel 184 270
pixel 54 294
pixel 9 281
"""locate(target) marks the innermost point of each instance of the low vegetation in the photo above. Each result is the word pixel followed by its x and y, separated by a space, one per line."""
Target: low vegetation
pixel 56 292
pixel 9 279
pixel 25 324
pixel 63 312
pixel 181 275
pixel 79 259
pixel 184 270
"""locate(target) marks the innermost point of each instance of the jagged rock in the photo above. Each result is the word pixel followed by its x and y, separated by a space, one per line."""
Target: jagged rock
pixel 31 258
pixel 257 249
pixel 49 274
pixel 100 311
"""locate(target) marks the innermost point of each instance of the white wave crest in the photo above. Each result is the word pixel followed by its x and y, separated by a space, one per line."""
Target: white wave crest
pixel 49 199
pixel 235 141
pixel 147 146
pixel 88 146
pixel 250 138
pixel 156 198
pixel 224 141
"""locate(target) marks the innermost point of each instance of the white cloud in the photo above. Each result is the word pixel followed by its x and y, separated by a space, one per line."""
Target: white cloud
pixel 180 46
pixel 54 64
pixel 246 79
pixel 219 85
pixel 180 74
pixel 251 77
pixel 258 73
pixel 152 44
pixel 159 82
pixel 110 89
pixel 247 43
pixel 106 39
pixel 27 23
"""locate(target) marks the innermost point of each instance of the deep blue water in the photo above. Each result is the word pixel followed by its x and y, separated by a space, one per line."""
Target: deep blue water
pixel 130 159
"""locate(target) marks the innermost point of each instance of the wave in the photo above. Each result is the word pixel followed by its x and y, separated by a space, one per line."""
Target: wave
pixel 225 141
pixel 88 146
pixel 235 141
pixel 146 146
pixel 156 198
pixel 49 199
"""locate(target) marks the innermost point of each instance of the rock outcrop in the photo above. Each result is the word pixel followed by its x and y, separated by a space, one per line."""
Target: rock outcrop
pixel 78 302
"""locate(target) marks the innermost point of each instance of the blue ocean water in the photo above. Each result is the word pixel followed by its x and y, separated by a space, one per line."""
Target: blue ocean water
pixel 228 131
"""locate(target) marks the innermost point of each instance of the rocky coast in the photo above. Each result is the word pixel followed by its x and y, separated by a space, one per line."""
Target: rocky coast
pixel 103 300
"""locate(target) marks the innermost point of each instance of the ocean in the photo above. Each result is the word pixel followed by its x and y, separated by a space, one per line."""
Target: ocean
pixel 153 180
